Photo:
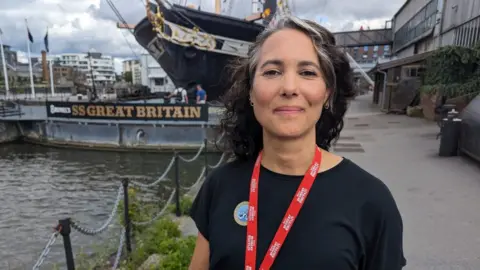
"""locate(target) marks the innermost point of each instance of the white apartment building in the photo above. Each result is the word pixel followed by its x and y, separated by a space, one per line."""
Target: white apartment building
pixel 136 73
pixel 129 64
pixel 101 67
pixel 153 75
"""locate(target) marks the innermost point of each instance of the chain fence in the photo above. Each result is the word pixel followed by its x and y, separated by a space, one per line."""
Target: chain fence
pixel 65 226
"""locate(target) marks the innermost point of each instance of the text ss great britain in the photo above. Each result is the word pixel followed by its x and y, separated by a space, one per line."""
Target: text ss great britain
pixel 127 111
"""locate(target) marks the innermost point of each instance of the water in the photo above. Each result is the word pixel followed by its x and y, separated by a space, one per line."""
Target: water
pixel 40 185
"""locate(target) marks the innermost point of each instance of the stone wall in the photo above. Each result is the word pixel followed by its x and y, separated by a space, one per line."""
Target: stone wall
pixel 8 132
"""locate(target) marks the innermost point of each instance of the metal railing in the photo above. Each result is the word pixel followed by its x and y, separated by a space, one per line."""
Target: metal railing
pixel 66 226
pixel 9 108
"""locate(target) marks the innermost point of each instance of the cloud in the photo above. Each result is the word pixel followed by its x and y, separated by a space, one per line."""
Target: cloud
pixel 81 25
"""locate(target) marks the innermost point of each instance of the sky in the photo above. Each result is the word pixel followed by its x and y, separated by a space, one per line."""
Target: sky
pixel 83 25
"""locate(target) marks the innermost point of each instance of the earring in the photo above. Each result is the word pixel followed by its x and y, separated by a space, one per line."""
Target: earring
pixel 251 103
pixel 326 106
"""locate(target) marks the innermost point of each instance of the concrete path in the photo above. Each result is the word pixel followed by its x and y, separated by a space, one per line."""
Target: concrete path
pixel 438 198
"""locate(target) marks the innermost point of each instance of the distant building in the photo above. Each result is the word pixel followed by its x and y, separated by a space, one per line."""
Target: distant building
pixel 100 66
pixel 369 54
pixel 153 75
pixel 136 73
pixel 129 64
pixel 62 73
pixel 420 27
pixel 11 60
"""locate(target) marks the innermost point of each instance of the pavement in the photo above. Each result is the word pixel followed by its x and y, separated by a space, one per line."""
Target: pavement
pixel 438 197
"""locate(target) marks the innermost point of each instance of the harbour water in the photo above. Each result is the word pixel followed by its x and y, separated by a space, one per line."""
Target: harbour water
pixel 40 185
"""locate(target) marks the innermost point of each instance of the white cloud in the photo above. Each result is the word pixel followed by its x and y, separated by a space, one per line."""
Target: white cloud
pixel 81 25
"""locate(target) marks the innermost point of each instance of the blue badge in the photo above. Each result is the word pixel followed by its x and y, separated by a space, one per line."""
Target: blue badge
pixel 240 214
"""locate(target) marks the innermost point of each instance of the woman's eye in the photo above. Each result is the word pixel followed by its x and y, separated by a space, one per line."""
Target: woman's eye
pixel 308 73
pixel 270 73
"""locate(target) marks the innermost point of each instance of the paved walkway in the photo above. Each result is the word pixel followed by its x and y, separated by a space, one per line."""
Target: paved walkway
pixel 439 198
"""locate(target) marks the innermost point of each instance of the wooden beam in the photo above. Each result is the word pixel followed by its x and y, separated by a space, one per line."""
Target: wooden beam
pixel 125 26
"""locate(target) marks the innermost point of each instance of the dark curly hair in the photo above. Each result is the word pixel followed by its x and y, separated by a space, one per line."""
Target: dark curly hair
pixel 243 133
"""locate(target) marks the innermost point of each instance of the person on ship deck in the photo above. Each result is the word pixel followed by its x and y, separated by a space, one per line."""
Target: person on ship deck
pixel 284 201
pixel 201 95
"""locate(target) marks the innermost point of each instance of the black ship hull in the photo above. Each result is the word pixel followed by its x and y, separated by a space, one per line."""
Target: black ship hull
pixel 187 65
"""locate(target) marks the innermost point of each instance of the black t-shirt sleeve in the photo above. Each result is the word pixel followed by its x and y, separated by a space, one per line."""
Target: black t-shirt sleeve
pixel 385 251
pixel 201 206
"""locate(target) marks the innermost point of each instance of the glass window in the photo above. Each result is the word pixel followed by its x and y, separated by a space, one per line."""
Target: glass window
pixel 375 48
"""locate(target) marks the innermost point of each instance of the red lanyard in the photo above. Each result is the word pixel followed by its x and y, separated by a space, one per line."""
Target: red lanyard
pixel 288 219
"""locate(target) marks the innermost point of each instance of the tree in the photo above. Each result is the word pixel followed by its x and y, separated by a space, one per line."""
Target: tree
pixel 127 76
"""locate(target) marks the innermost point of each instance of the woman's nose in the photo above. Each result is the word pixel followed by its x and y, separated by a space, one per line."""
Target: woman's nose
pixel 290 84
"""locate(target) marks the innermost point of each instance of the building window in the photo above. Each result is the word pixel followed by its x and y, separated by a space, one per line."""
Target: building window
pixel 418 25
pixel 375 48
pixel 365 48
pixel 159 81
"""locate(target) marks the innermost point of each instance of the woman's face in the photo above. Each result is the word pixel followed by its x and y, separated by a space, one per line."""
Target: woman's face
pixel 289 90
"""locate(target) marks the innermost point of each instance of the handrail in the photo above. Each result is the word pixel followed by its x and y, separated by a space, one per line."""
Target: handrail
pixel 65 226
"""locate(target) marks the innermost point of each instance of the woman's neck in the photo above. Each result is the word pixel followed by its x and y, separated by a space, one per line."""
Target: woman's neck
pixel 290 157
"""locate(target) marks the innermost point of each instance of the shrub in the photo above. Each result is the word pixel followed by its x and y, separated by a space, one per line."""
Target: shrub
pixel 185 206
pixel 163 238
pixel 453 71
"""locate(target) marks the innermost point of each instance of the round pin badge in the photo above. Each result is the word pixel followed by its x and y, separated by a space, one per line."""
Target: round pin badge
pixel 240 214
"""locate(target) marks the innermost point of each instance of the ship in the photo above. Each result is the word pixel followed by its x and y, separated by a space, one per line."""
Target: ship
pixel 195 46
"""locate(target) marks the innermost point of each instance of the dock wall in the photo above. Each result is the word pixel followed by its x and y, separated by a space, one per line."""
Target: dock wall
pixel 8 132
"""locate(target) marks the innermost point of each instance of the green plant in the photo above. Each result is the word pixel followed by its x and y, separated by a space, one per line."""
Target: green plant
pixel 137 210
pixel 179 256
pixel 453 71
pixel 163 238
pixel 450 64
pixel 185 206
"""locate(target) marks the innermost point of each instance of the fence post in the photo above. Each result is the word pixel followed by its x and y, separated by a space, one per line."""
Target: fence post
pixel 205 154
pixel 126 215
pixel 65 231
pixel 178 211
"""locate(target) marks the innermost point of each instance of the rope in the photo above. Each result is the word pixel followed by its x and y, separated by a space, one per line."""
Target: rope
pixel 196 155
pixel 220 161
pixel 199 179
pixel 91 232
pixel 119 249
pixel 46 250
pixel 160 179
pixel 159 214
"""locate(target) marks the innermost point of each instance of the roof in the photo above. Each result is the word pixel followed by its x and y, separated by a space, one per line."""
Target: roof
pixel 402 61
pixel 401 8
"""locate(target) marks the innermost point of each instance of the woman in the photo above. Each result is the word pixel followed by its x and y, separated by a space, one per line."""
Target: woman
pixel 285 202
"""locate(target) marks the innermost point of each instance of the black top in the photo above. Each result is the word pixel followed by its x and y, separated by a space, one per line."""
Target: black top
pixel 348 221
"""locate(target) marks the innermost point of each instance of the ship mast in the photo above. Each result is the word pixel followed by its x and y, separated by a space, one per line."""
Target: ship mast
pixel 218 6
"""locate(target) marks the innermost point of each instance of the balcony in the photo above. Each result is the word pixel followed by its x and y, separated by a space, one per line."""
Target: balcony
pixel 364 38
